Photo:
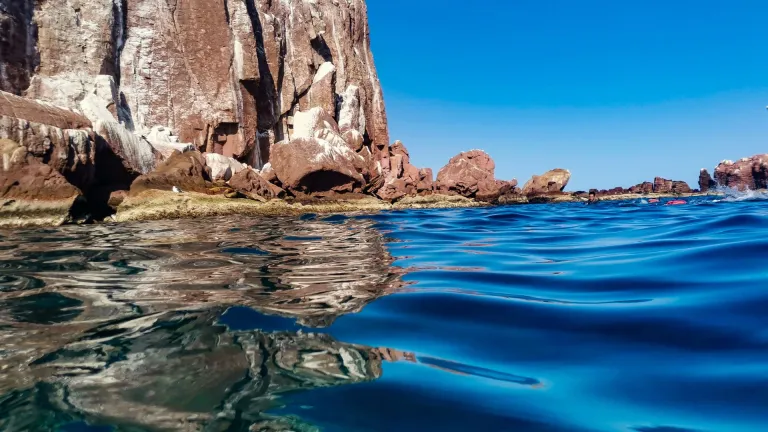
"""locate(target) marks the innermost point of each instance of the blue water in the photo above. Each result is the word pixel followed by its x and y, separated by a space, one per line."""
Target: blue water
pixel 611 317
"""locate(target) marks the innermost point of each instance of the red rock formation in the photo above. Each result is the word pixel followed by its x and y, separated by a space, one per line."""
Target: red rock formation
pixel 186 171
pixel 57 137
pixel 24 177
pixel 746 174
pixel 705 181
pixel 470 174
pixel 642 188
pixel 664 186
pixel 402 178
pixel 249 183
pixel 225 75
pixel 552 181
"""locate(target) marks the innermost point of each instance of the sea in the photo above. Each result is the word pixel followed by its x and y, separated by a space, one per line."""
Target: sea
pixel 619 316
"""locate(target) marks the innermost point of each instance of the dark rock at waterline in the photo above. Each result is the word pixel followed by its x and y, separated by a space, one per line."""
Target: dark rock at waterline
pixel 706 182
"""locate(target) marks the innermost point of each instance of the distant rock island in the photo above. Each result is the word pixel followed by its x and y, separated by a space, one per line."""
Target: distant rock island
pixel 151 109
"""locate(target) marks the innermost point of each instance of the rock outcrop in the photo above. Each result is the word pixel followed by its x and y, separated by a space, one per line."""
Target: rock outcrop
pixel 316 159
pixel 469 174
pixel 664 186
pixel 230 89
pixel 552 181
pixel 249 183
pixel 403 179
pixel 706 182
pixel 185 171
pixel 54 136
pixel 745 174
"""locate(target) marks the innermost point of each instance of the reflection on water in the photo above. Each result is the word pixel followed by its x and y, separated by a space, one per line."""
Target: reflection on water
pixel 614 317
pixel 132 326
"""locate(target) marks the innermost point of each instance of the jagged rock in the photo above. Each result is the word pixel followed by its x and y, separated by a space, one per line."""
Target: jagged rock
pixel 402 178
pixel 552 181
pixel 58 137
pixel 664 186
pixel 470 174
pixel 186 171
pixel 642 188
pixel 249 183
pixel 746 174
pixel 222 167
pixel 705 181
pixel 312 165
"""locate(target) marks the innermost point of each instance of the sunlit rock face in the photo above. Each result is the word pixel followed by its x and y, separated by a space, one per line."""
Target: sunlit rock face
pixel 224 75
pixel 745 174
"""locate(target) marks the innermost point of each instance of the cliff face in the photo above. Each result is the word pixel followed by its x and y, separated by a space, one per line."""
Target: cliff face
pixel 225 75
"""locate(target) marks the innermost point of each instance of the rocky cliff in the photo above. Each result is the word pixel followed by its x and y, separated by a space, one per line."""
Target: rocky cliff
pixel 224 75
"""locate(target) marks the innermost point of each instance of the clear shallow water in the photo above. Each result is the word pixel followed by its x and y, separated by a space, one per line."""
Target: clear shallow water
pixel 533 318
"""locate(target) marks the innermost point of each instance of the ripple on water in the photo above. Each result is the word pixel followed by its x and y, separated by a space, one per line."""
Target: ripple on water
pixel 534 318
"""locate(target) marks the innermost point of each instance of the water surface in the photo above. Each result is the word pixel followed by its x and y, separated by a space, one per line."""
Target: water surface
pixel 613 317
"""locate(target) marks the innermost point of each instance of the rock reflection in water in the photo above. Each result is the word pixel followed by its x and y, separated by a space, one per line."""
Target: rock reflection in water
pixel 182 370
pixel 119 324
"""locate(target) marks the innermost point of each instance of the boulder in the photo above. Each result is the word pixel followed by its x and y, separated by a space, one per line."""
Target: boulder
pixel 186 171
pixel 705 181
pixel 24 177
pixel 249 183
pixel 745 174
pixel 469 174
pixel 314 166
pixel 222 167
pixel 550 182
pixel 32 190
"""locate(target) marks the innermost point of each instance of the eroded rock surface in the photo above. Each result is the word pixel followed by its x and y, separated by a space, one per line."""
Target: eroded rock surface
pixel 469 174
pixel 552 181
pixel 706 182
pixel 745 174
pixel 186 171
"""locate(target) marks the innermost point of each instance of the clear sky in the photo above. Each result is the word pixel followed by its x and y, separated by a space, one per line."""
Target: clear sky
pixel 617 91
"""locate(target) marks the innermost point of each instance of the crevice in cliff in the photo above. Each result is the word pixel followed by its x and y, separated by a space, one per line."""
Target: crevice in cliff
pixel 321 48
pixel 267 95
pixel 119 33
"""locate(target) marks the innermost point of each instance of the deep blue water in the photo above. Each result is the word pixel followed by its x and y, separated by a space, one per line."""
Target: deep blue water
pixel 612 317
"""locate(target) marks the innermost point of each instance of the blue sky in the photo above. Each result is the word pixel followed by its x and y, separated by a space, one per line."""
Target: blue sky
pixel 616 91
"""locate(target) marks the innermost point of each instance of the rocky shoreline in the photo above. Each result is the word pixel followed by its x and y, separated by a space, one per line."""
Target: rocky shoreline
pixel 130 112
